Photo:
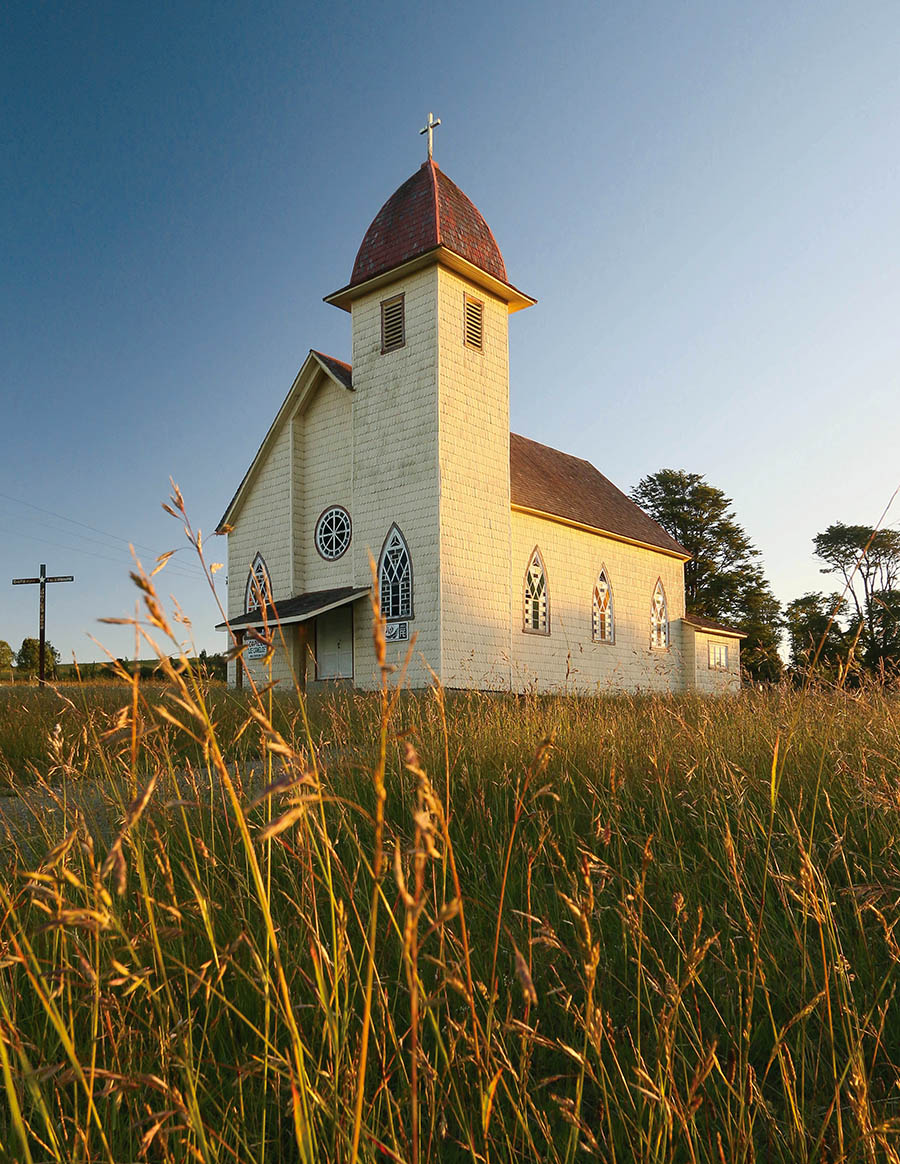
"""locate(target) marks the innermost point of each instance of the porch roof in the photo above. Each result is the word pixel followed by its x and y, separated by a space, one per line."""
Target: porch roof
pixel 300 608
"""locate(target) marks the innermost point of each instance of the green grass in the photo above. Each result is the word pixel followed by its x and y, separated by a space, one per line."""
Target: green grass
pixel 631 928
pixel 73 729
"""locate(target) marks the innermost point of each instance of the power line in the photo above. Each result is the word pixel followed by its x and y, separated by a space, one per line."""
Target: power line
pixel 85 525
pixel 87 553
pixel 185 569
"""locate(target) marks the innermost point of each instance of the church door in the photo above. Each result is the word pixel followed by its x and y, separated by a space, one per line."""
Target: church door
pixel 334 644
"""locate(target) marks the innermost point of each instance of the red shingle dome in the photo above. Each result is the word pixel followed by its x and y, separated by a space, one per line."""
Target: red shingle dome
pixel 427 211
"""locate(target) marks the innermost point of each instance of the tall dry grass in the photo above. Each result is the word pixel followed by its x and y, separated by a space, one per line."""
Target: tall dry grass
pixel 436 927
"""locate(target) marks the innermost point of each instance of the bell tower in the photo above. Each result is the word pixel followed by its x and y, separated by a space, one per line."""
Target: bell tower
pixel 430 300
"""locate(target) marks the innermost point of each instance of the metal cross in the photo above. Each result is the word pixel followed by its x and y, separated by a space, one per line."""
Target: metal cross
pixel 430 126
pixel 42 581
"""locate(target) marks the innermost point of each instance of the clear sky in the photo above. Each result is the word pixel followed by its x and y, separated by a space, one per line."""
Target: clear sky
pixel 702 196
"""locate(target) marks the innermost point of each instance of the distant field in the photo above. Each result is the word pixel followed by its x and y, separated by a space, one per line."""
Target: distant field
pixel 630 928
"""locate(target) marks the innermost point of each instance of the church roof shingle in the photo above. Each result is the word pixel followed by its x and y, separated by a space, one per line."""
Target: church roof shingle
pixel 701 622
pixel 427 211
pixel 548 481
pixel 300 608
pixel 337 368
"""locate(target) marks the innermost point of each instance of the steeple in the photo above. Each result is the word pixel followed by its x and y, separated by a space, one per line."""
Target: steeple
pixel 429 299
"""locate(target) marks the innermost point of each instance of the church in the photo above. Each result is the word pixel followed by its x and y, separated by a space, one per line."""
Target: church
pixel 516 566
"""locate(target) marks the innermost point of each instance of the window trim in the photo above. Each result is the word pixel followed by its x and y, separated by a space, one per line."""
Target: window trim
pixel 479 303
pixel 250 591
pixel 330 509
pixel 412 590
pixel 401 299
pixel 611 609
pixel 719 646
pixel 532 630
pixel 655 646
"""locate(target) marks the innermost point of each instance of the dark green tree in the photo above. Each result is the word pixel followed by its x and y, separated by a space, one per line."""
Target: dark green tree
pixel 868 561
pixel 815 634
pixel 885 623
pixel 723 580
pixel 215 666
pixel 28 658
pixel 7 657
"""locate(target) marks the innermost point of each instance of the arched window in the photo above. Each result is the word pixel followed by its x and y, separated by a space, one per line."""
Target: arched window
pixel 659 617
pixel 259 585
pixel 603 626
pixel 537 606
pixel 395 577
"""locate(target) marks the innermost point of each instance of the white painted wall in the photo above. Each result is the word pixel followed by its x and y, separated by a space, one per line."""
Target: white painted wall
pixel 323 451
pixel 705 679
pixel 567 658
pixel 395 458
pixel 474 484
pixel 263 526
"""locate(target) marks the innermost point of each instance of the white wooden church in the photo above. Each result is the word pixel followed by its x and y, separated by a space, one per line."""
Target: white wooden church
pixel 515 566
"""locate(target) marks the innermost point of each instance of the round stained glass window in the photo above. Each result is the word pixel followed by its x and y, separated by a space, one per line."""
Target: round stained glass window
pixel 333 531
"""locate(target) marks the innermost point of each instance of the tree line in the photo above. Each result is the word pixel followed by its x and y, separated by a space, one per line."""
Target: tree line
pixel 850 633
pixel 24 664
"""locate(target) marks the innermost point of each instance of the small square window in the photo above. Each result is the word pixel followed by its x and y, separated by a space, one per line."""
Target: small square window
pixel 718 656
pixel 473 323
pixel 393 324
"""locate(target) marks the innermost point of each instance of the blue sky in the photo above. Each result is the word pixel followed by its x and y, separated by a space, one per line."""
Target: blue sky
pixel 703 198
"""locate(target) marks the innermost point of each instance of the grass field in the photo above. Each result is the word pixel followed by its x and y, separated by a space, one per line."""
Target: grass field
pixel 451 928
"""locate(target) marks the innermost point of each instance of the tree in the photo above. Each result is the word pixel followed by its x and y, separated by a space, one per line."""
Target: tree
pixel 868 560
pixel 885 623
pixel 215 666
pixel 7 656
pixel 813 626
pixel 722 580
pixel 28 657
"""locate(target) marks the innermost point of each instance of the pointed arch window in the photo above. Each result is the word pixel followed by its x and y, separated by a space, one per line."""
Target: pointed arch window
pixel 659 617
pixel 537 603
pixel 603 627
pixel 395 577
pixel 259 585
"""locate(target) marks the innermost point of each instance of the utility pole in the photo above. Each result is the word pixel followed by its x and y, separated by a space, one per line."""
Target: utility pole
pixel 42 582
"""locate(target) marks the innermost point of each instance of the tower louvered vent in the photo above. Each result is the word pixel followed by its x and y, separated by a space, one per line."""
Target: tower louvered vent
pixel 393 326
pixel 474 323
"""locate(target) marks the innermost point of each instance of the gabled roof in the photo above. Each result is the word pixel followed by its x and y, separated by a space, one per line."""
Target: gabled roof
pixel 701 622
pixel 340 371
pixel 547 482
pixel 305 383
pixel 427 211
pixel 542 480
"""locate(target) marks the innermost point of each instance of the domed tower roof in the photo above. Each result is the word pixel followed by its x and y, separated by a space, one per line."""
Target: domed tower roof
pixel 429 219
pixel 427 211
